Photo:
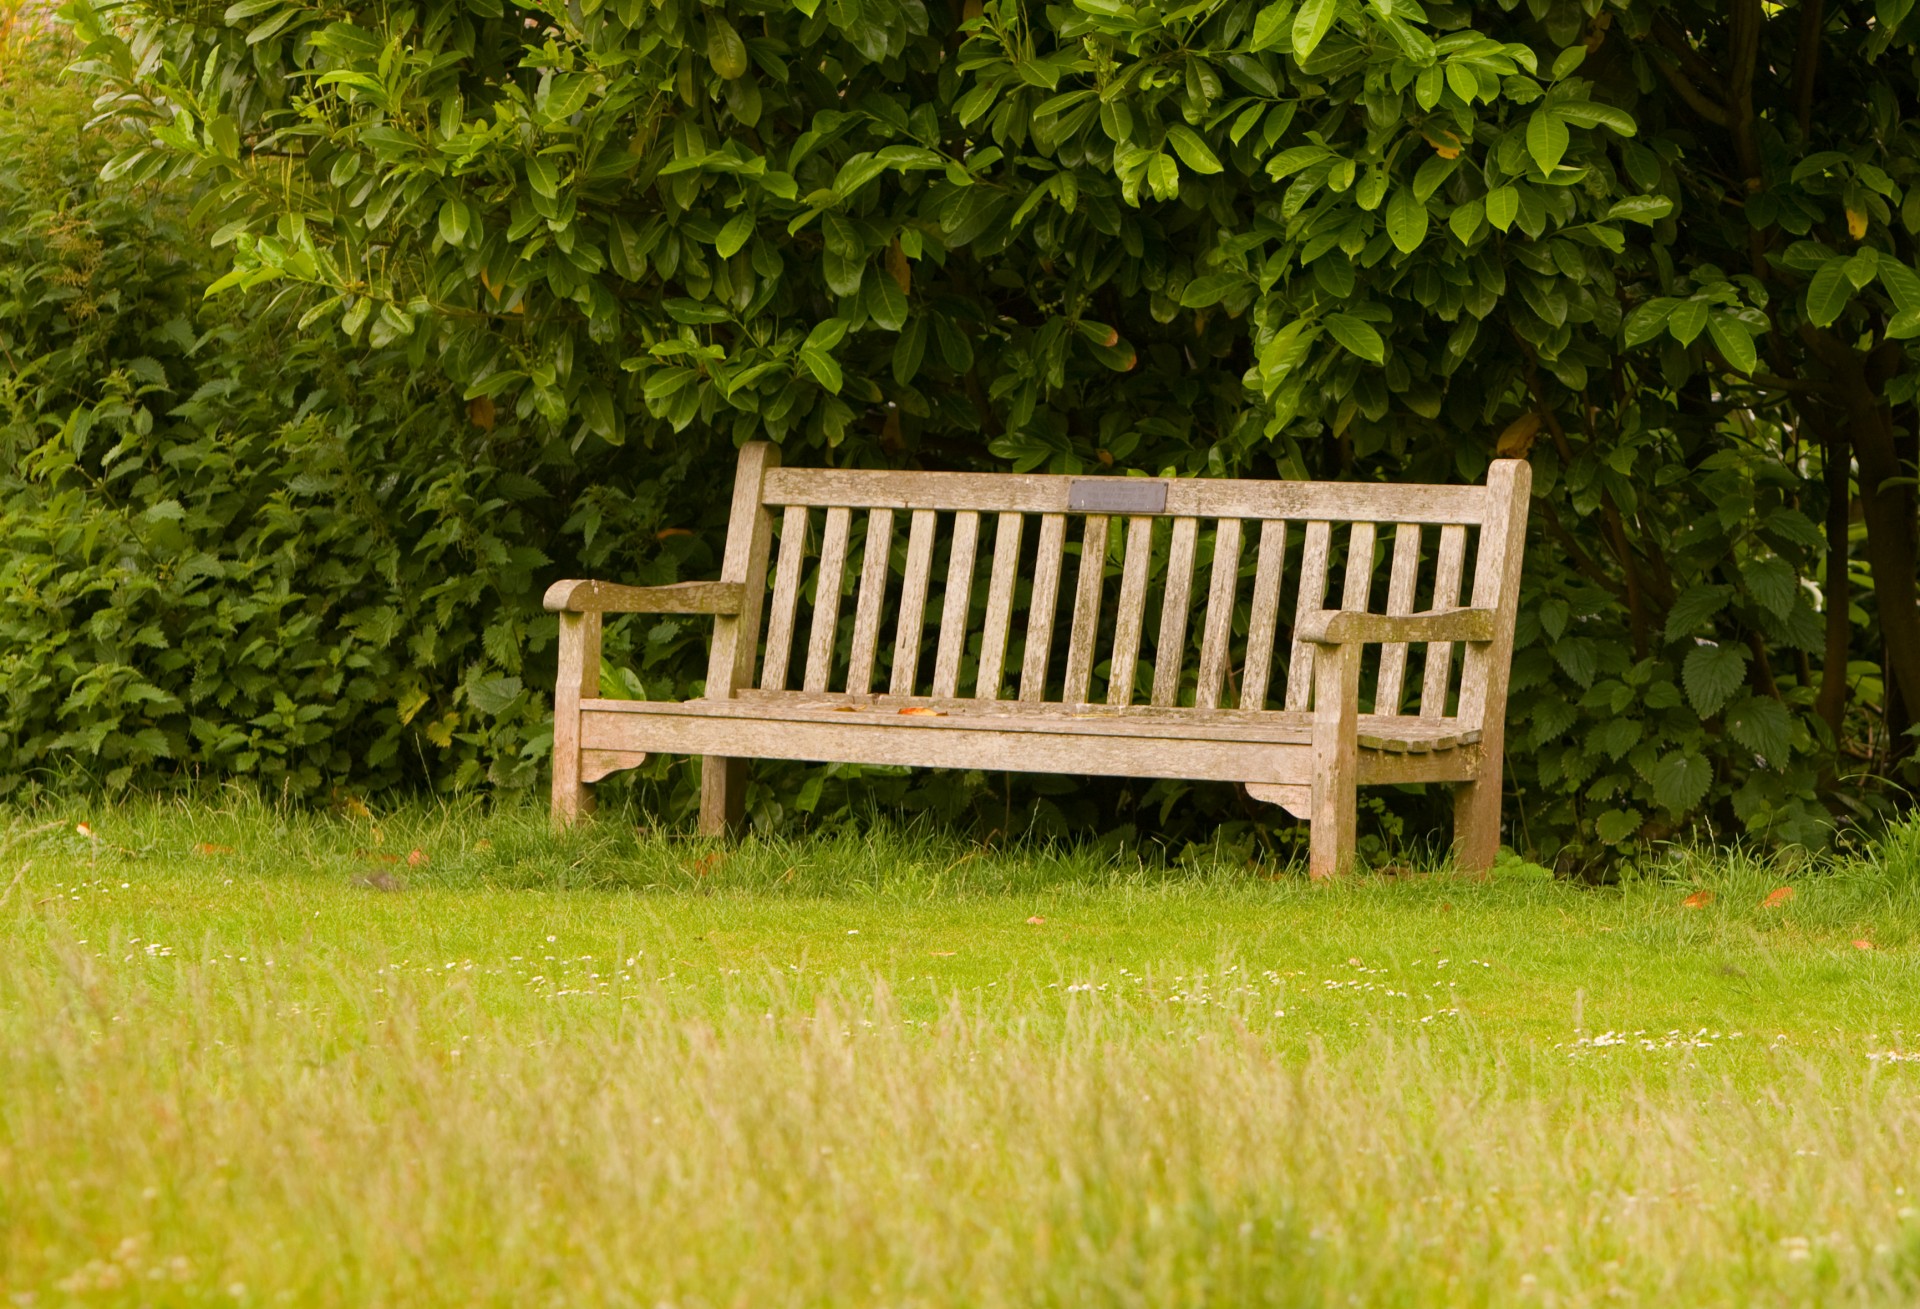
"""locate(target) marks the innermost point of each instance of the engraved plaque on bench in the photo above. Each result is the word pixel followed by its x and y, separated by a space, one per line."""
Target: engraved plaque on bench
pixel 1116 495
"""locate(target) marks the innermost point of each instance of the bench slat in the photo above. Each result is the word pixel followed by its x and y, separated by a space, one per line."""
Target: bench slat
pixel 1446 594
pixel 1313 595
pixel 1187 497
pixel 1130 617
pixel 1216 639
pixel 1269 571
pixel 913 603
pixel 993 642
pixel 873 596
pixel 1170 649
pixel 826 598
pixel 786 598
pixel 1086 610
pixel 1400 588
pixel 1041 607
pixel 953 612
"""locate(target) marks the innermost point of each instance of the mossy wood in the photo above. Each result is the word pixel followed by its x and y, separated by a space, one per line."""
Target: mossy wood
pixel 1337 718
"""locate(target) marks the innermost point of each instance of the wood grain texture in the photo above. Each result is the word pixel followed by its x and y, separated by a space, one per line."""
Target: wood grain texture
pixel 868 608
pixel 579 679
pixel 1131 612
pixel 1086 611
pixel 1343 626
pixel 993 639
pixel 786 599
pixel 1336 761
pixel 736 639
pixel 677 598
pixel 913 603
pixel 1170 646
pixel 1446 595
pixel 1042 606
pixel 1216 637
pixel 1263 622
pixel 1312 597
pixel 957 606
pixel 826 598
pixel 1187 497
pixel 1483 691
pixel 1401 582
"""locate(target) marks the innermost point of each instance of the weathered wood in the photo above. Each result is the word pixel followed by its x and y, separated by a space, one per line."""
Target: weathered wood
pixel 677 598
pixel 1336 761
pixel 913 603
pixel 1484 675
pixel 1129 617
pixel 1446 595
pixel 1400 588
pixel 579 679
pixel 993 640
pixel 1170 647
pixel 957 604
pixel 826 598
pixel 1264 619
pixel 723 781
pixel 1187 497
pixel 1216 649
pixel 873 597
pixel 786 599
pixel 1342 626
pixel 1309 760
pixel 1086 610
pixel 1042 606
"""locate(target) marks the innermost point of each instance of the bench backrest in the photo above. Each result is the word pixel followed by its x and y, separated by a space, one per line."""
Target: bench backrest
pixel 1205 573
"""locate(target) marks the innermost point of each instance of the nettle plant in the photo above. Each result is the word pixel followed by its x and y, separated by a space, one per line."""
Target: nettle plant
pixel 1662 249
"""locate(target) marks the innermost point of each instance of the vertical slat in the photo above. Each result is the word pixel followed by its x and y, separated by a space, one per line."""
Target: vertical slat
pixel 786 598
pixel 1170 649
pixel 1400 584
pixel 1040 608
pixel 1446 594
pixel 1265 619
pixel 1358 587
pixel 1086 610
pixel 736 640
pixel 953 613
pixel 1216 640
pixel 826 598
pixel 913 603
pixel 1131 615
pixel 993 642
pixel 1313 596
pixel 873 597
pixel 1496 586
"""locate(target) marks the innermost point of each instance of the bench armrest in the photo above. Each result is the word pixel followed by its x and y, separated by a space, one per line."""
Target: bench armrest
pixel 1344 627
pixel 577 597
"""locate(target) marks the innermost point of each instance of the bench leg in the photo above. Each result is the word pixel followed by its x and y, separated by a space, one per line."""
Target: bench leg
pixel 579 678
pixel 1336 761
pixel 1476 821
pixel 723 796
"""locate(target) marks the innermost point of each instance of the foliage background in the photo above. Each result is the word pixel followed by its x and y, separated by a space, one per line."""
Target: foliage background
pixel 501 288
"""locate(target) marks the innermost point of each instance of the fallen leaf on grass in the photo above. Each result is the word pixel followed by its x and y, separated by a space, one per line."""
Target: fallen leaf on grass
pixel 209 847
pixel 1036 920
pixel 482 845
pixel 416 858
pixel 84 830
pixel 1864 945
pixel 378 856
pixel 1699 899
pixel 943 954
pixel 1778 896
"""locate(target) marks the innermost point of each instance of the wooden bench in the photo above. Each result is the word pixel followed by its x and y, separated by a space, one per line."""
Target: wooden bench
pixel 865 694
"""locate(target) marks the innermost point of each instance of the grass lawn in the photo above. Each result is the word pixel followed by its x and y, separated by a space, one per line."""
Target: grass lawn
pixel 259 1058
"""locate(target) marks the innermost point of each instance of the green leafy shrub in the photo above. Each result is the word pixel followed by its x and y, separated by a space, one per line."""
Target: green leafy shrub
pixel 1656 247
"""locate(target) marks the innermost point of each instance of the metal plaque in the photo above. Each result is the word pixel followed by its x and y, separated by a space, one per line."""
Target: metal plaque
pixel 1116 495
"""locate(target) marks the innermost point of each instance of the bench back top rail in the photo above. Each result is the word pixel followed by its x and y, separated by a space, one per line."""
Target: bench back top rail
pixel 1169 592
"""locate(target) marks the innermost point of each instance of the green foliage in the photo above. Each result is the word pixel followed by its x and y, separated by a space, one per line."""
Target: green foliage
pixel 1325 239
